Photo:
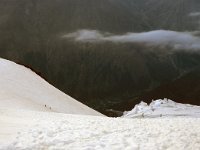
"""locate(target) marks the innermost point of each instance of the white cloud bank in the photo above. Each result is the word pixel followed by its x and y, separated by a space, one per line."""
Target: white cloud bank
pixel 194 14
pixel 161 38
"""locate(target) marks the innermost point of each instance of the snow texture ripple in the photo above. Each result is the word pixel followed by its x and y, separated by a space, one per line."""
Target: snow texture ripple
pixel 43 130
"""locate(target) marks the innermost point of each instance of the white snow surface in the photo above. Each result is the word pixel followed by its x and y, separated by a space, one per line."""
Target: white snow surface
pixel 54 131
pixel 163 108
pixel 20 88
pixel 26 124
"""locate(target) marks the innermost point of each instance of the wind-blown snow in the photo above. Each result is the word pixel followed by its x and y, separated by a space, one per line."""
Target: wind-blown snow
pixel 163 108
pixel 20 88
pixel 42 130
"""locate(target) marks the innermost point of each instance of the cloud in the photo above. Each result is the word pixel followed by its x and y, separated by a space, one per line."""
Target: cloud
pixel 85 35
pixel 161 38
pixel 194 14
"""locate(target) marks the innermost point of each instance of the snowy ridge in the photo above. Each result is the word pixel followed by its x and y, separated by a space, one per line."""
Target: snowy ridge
pixel 163 108
pixel 20 88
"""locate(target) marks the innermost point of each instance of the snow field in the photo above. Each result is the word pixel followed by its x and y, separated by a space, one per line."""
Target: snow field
pixel 28 120
pixel 54 131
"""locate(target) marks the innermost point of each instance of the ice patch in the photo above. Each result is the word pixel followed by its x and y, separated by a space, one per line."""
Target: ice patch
pixel 163 108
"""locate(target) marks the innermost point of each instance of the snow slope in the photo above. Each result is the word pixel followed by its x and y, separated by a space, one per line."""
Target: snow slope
pixel 20 88
pixel 53 131
pixel 163 108
pixel 25 122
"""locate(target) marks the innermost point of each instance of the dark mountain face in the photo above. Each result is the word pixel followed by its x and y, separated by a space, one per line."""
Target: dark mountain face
pixel 104 74
pixel 185 89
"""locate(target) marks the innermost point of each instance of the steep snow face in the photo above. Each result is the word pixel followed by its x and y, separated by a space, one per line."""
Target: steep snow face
pixel 163 108
pixel 20 88
pixel 56 131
